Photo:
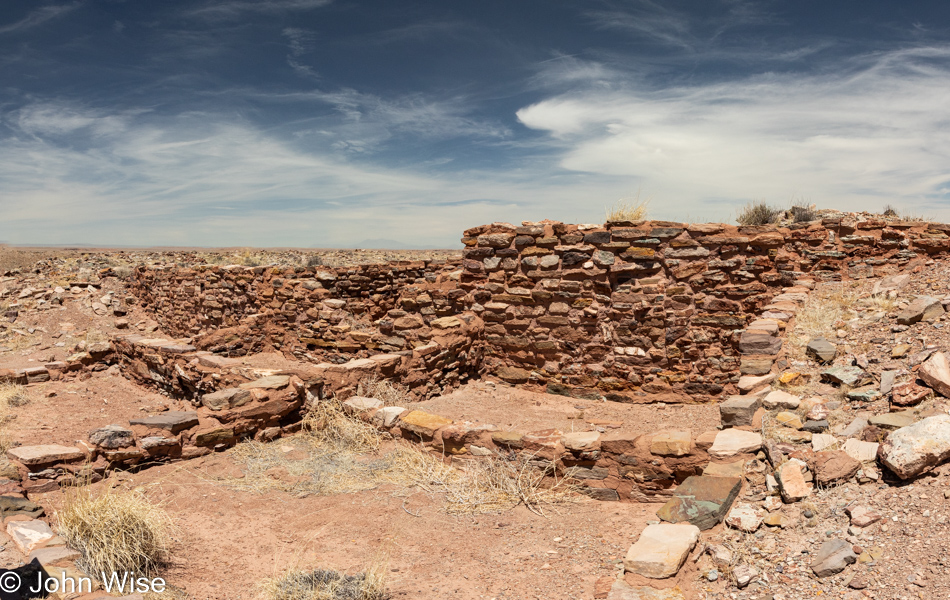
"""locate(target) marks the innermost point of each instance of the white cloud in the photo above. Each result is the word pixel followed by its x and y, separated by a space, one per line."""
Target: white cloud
pixel 869 134
pixel 39 16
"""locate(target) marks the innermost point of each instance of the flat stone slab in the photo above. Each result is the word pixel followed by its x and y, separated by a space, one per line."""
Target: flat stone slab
pixel 822 441
pixel 781 400
pixel 273 382
pixel 729 469
pixel 748 383
pixel 832 558
pixel 701 500
pixel 730 442
pixel 744 517
pixel 358 404
pixel 661 550
pixel 53 555
pixel 387 415
pixel 894 420
pixel 12 505
pixel 859 450
pixel 226 398
pixel 821 350
pixel 173 421
pixel 935 372
pixel 28 535
pixel 423 423
pixel 850 376
pixel 621 590
pixel 45 455
pixel 580 440
pixel 737 411
pixel 671 443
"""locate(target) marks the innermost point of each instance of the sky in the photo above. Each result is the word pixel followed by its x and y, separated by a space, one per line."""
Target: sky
pixel 326 123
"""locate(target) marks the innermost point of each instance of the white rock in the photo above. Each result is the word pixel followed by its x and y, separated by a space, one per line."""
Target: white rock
pixel 860 451
pixel 27 535
pixel 781 400
pixel 911 450
pixel 730 442
pixel 744 517
pixel 936 373
pixel 820 441
pixel 661 550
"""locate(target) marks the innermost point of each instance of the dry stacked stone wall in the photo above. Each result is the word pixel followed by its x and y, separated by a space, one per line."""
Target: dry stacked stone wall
pixel 630 311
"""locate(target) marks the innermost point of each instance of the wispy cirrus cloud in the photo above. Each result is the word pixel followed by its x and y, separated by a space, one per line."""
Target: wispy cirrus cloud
pixel 39 16
pixel 232 9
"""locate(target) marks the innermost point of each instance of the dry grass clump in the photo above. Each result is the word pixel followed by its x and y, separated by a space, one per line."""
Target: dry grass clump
pixel 389 393
pixel 803 213
pixel 628 209
pixel 758 212
pixel 339 453
pixel 821 311
pixel 325 584
pixel 330 427
pixel 115 530
pixel 13 395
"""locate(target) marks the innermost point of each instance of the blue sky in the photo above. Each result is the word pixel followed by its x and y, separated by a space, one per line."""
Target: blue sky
pixel 327 122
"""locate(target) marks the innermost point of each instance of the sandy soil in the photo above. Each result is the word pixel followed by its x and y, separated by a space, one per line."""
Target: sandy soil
pixel 524 411
pixel 230 540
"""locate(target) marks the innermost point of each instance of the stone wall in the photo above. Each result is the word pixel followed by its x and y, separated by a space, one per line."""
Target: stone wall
pixel 414 310
pixel 659 310
pixel 630 311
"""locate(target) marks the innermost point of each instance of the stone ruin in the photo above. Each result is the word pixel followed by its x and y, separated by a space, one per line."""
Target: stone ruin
pixel 636 312
pixel 631 312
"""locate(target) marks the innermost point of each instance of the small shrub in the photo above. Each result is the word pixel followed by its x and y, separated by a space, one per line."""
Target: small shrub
pixel 391 394
pixel 628 210
pixel 758 213
pixel 115 530
pixel 803 214
pixel 13 395
pixel 123 272
pixel 314 261
pixel 329 426
pixel 325 584
pixel 889 211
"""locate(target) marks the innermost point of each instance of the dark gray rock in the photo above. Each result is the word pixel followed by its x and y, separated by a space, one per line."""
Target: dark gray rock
pixel 832 558
pixel 821 350
pixel 112 437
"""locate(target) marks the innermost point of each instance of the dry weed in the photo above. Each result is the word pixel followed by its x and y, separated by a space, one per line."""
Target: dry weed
pixel 821 311
pixel 330 427
pixel 325 584
pixel 13 395
pixel 628 209
pixel 115 530
pixel 340 456
pixel 758 212
pixel 389 393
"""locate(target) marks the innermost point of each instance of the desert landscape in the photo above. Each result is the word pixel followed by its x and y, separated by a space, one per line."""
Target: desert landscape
pixel 631 410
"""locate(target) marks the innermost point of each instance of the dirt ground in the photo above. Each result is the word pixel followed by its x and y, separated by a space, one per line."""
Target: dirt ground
pixel 524 411
pixel 229 540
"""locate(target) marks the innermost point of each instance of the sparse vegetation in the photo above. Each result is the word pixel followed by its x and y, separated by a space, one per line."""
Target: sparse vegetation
pixel 325 584
pixel 802 213
pixel 825 307
pixel 391 394
pixel 628 209
pixel 339 454
pixel 889 211
pixel 314 260
pixel 13 395
pixel 115 530
pixel 758 212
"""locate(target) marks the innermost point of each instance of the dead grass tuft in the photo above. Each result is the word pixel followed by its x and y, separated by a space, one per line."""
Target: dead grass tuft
pixel 325 584
pixel 330 427
pixel 758 212
pixel 115 530
pixel 628 209
pixel 391 394
pixel 13 395
pixel 339 453
pixel 824 308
